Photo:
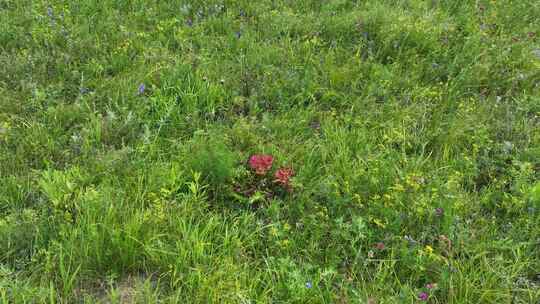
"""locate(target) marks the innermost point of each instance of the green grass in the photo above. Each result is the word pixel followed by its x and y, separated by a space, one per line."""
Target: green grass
pixel 413 128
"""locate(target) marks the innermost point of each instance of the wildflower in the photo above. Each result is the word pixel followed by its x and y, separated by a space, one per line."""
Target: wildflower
pixel 261 163
pixel 50 12
pixel 238 34
pixel 371 254
pixel 142 88
pixel 380 246
pixel 431 285
pixel 283 176
pixel 309 285
pixel 64 32
pixel 423 296
pixel 439 212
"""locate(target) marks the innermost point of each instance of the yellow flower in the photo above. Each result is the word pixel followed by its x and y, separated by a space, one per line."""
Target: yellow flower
pixel 273 231
pixel 399 187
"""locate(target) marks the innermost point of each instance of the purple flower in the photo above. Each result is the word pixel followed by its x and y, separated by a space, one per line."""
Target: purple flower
pixel 142 88
pixel 439 211
pixel 309 285
pixel 423 296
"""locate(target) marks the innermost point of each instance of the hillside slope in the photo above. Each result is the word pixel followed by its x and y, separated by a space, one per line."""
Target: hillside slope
pixel 269 151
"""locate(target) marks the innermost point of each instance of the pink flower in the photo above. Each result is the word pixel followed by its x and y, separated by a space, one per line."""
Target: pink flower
pixel 380 246
pixel 261 163
pixel 423 296
pixel 283 176
pixel 431 285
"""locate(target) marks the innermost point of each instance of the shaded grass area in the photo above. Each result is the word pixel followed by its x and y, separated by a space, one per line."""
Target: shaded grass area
pixel 412 128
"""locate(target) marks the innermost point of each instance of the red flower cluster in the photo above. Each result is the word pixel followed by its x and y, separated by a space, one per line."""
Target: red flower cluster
pixel 283 176
pixel 261 163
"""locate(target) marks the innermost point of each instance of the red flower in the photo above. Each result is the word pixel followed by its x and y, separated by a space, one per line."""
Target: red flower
pixel 380 246
pixel 261 163
pixel 283 176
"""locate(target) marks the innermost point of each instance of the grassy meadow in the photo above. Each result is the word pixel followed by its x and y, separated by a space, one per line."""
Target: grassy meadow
pixel 270 151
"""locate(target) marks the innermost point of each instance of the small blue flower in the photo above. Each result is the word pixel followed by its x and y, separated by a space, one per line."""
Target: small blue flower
pixel 309 285
pixel 50 13
pixel 238 34
pixel 142 88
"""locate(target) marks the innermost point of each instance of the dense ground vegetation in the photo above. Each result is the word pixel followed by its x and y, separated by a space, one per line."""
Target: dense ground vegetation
pixel 406 134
